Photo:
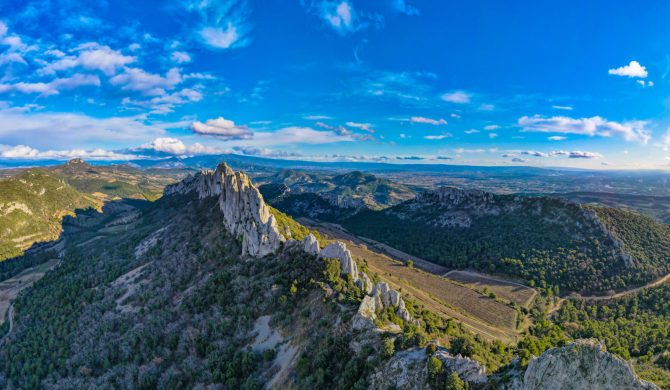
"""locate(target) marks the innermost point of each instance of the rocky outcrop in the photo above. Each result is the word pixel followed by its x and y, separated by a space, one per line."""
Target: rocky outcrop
pixel 405 370
pixel 245 214
pixel 337 250
pixel 466 368
pixel 380 298
pixel 584 364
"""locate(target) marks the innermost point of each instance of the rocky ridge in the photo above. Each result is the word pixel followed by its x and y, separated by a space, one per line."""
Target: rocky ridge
pixel 245 214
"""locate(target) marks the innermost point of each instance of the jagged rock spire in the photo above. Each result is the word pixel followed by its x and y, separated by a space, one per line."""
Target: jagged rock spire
pixel 245 214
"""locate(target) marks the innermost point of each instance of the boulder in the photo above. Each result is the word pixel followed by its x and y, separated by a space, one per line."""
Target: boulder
pixel 466 368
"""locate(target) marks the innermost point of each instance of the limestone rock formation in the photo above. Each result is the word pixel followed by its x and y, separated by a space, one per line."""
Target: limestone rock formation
pixel 311 245
pixel 381 297
pixel 466 368
pixel 338 250
pixel 245 214
pixel 584 364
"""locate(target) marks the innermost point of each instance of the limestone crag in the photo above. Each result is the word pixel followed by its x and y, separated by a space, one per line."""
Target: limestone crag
pixel 336 250
pixel 380 298
pixel 466 368
pixel 245 214
pixel 584 364
pixel 405 370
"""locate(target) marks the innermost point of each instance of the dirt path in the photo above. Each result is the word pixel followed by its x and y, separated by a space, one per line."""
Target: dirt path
pixel 595 298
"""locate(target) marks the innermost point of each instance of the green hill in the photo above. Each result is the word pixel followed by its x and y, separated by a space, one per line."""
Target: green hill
pixel 551 243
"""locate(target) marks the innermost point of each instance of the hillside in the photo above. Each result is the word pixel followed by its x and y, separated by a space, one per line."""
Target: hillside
pixel 551 243
pixel 34 201
pixel 349 190
pixel 204 288
pixel 32 206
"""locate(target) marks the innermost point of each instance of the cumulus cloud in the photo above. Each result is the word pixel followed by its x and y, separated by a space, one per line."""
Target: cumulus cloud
pixel 222 128
pixel 630 131
pixel 411 158
pixel 491 127
pixel 580 154
pixel 471 131
pixel 176 146
pixel 493 135
pixel 519 160
pixel 458 97
pixel 53 87
pixel 430 121
pixel 90 56
pixel 316 117
pixel 136 79
pixel 444 158
pixel 633 69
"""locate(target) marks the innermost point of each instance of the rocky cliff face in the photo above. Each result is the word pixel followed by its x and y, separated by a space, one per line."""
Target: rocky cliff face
pixel 245 214
pixel 584 364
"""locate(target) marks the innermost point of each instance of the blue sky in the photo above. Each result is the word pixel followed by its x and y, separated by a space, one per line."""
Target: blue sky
pixel 552 83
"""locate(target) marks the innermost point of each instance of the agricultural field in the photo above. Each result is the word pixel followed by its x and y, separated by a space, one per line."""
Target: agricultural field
pixel 507 290
pixel 483 315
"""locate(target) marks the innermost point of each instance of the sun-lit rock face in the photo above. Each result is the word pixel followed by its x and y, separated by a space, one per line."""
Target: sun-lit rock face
pixel 584 364
pixel 245 214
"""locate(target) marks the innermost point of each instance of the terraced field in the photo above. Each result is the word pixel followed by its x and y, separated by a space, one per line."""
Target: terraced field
pixel 507 290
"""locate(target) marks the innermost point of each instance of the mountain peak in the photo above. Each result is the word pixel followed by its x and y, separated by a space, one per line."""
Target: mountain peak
pixel 76 161
pixel 245 214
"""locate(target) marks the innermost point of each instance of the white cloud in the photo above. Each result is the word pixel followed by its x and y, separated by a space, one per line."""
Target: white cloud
pixel 645 84
pixel 26 152
pixel 176 146
pixel 219 37
pixel 491 127
pixel 437 137
pixel 135 79
pixel 556 138
pixel 90 56
pixel 181 57
pixel 341 16
pixel 63 130
pixel 471 131
pixel 430 121
pixel 222 128
pixel 53 87
pixel 3 28
pixel 587 155
pixel 454 115
pixel 166 103
pixel 630 131
pixel 316 117
pixel 564 108
pixel 361 126
pixel 458 97
pixel 493 135
pixel 633 69
pixel 222 24
pixel 298 135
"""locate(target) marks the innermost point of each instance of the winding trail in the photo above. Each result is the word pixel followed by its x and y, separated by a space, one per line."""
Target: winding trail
pixel 595 298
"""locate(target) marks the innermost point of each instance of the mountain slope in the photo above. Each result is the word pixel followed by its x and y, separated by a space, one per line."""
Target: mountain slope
pixel 552 243
pixel 33 202
pixel 349 190
pixel 32 206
